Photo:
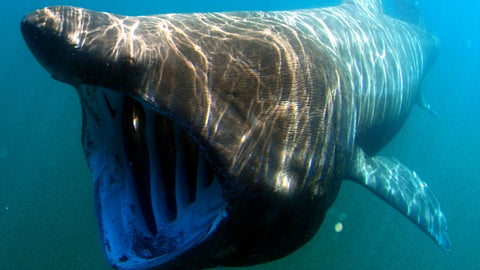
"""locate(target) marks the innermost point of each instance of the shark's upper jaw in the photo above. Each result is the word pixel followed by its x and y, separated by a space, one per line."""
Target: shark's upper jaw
pixel 156 194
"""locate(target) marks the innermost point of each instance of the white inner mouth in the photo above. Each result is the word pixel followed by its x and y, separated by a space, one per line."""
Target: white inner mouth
pixel 156 193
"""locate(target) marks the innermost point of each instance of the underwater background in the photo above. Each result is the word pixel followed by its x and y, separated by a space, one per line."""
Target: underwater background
pixel 47 213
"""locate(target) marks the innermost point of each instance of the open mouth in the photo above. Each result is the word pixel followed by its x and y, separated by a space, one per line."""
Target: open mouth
pixel 156 193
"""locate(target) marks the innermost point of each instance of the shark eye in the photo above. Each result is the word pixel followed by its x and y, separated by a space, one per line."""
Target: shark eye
pixel 125 73
pixel 126 65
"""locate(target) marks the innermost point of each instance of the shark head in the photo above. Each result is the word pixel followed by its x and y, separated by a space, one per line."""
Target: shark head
pixel 197 160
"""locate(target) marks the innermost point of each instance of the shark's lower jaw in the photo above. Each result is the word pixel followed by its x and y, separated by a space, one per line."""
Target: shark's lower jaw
pixel 156 194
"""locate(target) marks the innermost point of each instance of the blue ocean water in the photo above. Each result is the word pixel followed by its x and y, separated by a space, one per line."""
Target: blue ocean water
pixel 47 216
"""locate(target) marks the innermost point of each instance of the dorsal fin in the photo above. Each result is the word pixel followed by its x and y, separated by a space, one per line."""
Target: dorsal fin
pixel 370 5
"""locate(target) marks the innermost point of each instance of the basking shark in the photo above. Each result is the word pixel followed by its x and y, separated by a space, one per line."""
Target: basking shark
pixel 222 139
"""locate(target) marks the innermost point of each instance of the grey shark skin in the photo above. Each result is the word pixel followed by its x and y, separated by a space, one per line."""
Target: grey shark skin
pixel 222 138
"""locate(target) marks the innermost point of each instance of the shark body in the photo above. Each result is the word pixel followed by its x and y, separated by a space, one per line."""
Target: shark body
pixel 223 138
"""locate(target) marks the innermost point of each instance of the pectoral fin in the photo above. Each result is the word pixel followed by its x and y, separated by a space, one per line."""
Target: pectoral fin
pixel 403 189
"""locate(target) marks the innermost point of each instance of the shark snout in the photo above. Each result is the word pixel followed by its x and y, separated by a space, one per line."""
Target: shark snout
pixel 43 28
pixel 38 33
pixel 51 41
pixel 56 21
